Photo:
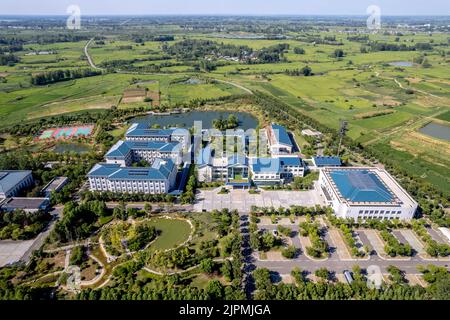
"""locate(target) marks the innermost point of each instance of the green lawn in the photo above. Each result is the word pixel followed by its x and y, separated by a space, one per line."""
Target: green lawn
pixel 173 233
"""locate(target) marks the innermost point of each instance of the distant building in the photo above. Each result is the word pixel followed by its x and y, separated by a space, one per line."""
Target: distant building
pixel 366 193
pixel 29 205
pixel 279 140
pixel 13 181
pixel 55 185
pixel 321 162
pixel 141 132
pixel 311 133
pixel 127 152
pixel 160 178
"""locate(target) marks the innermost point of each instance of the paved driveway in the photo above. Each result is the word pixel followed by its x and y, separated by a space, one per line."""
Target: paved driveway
pixel 12 251
pixel 242 200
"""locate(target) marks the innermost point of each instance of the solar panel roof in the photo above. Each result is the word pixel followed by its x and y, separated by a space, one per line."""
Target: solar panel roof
pixel 361 186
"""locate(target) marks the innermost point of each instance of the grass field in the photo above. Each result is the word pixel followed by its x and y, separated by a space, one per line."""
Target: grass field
pixel 173 233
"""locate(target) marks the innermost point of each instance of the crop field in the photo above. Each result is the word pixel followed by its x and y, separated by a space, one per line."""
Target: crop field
pixel 384 95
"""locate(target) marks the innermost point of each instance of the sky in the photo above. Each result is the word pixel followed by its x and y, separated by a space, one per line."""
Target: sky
pixel 224 7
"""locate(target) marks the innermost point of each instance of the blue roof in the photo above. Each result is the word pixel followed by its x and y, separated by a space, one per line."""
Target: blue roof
pixel 281 135
pixel 160 170
pixel 239 160
pixel 361 186
pixel 122 148
pixel 142 130
pixel 103 170
pixel 291 161
pixel 204 156
pixel 10 178
pixel 266 165
pixel 327 161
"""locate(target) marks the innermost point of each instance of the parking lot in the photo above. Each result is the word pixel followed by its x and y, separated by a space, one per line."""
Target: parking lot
pixel 12 251
pixel 242 200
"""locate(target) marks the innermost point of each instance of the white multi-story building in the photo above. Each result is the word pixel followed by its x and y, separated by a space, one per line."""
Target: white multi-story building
pixel 12 181
pixel 141 132
pixel 279 140
pixel 269 171
pixel 366 193
pixel 158 179
pixel 127 152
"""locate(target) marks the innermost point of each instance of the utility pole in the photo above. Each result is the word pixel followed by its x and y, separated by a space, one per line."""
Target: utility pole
pixel 342 132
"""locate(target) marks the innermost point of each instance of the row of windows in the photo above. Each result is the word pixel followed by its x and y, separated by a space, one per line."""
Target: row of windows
pixel 378 212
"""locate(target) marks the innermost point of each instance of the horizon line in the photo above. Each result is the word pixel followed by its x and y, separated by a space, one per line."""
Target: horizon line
pixel 220 14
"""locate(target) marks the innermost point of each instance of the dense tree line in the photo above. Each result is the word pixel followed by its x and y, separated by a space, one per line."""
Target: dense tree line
pixel 19 225
pixel 78 221
pixel 127 197
pixel 8 59
pixel 305 71
pixel 62 75
pixel 381 46
pixel 142 37
pixel 192 49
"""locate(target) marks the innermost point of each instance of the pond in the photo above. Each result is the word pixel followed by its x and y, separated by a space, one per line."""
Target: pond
pixel 186 120
pixel 402 64
pixel 71 146
pixel 436 130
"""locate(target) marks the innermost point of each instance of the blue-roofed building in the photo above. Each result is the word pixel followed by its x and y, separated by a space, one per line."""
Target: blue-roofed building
pixel 269 171
pixel 366 193
pixel 238 172
pixel 127 152
pixel 160 178
pixel 279 140
pixel 142 133
pixel 13 181
pixel 321 162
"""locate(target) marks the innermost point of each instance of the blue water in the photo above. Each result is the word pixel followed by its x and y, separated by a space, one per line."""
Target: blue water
pixel 401 64
pixel 436 130
pixel 186 120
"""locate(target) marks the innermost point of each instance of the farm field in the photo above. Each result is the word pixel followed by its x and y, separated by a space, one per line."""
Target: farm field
pixel 385 96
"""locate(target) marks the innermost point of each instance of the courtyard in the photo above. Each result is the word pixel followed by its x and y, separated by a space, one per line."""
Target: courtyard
pixel 242 200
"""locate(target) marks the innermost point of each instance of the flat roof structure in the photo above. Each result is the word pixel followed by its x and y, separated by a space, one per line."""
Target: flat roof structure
pixel 361 186
pixel 327 161
pixel 26 204
pixel 9 179
pixel 281 135
pixel 55 185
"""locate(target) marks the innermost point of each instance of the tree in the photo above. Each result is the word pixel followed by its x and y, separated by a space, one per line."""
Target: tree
pixel 322 273
pixel 339 53
pixel 298 50
pixel 148 208
pixel 207 265
pixel 215 290
pixel 289 252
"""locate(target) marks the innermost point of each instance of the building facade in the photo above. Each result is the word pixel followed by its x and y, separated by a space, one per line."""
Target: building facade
pixel 160 178
pixel 125 153
pixel 365 193
pixel 140 132
pixel 279 140
pixel 270 171
pixel 13 181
